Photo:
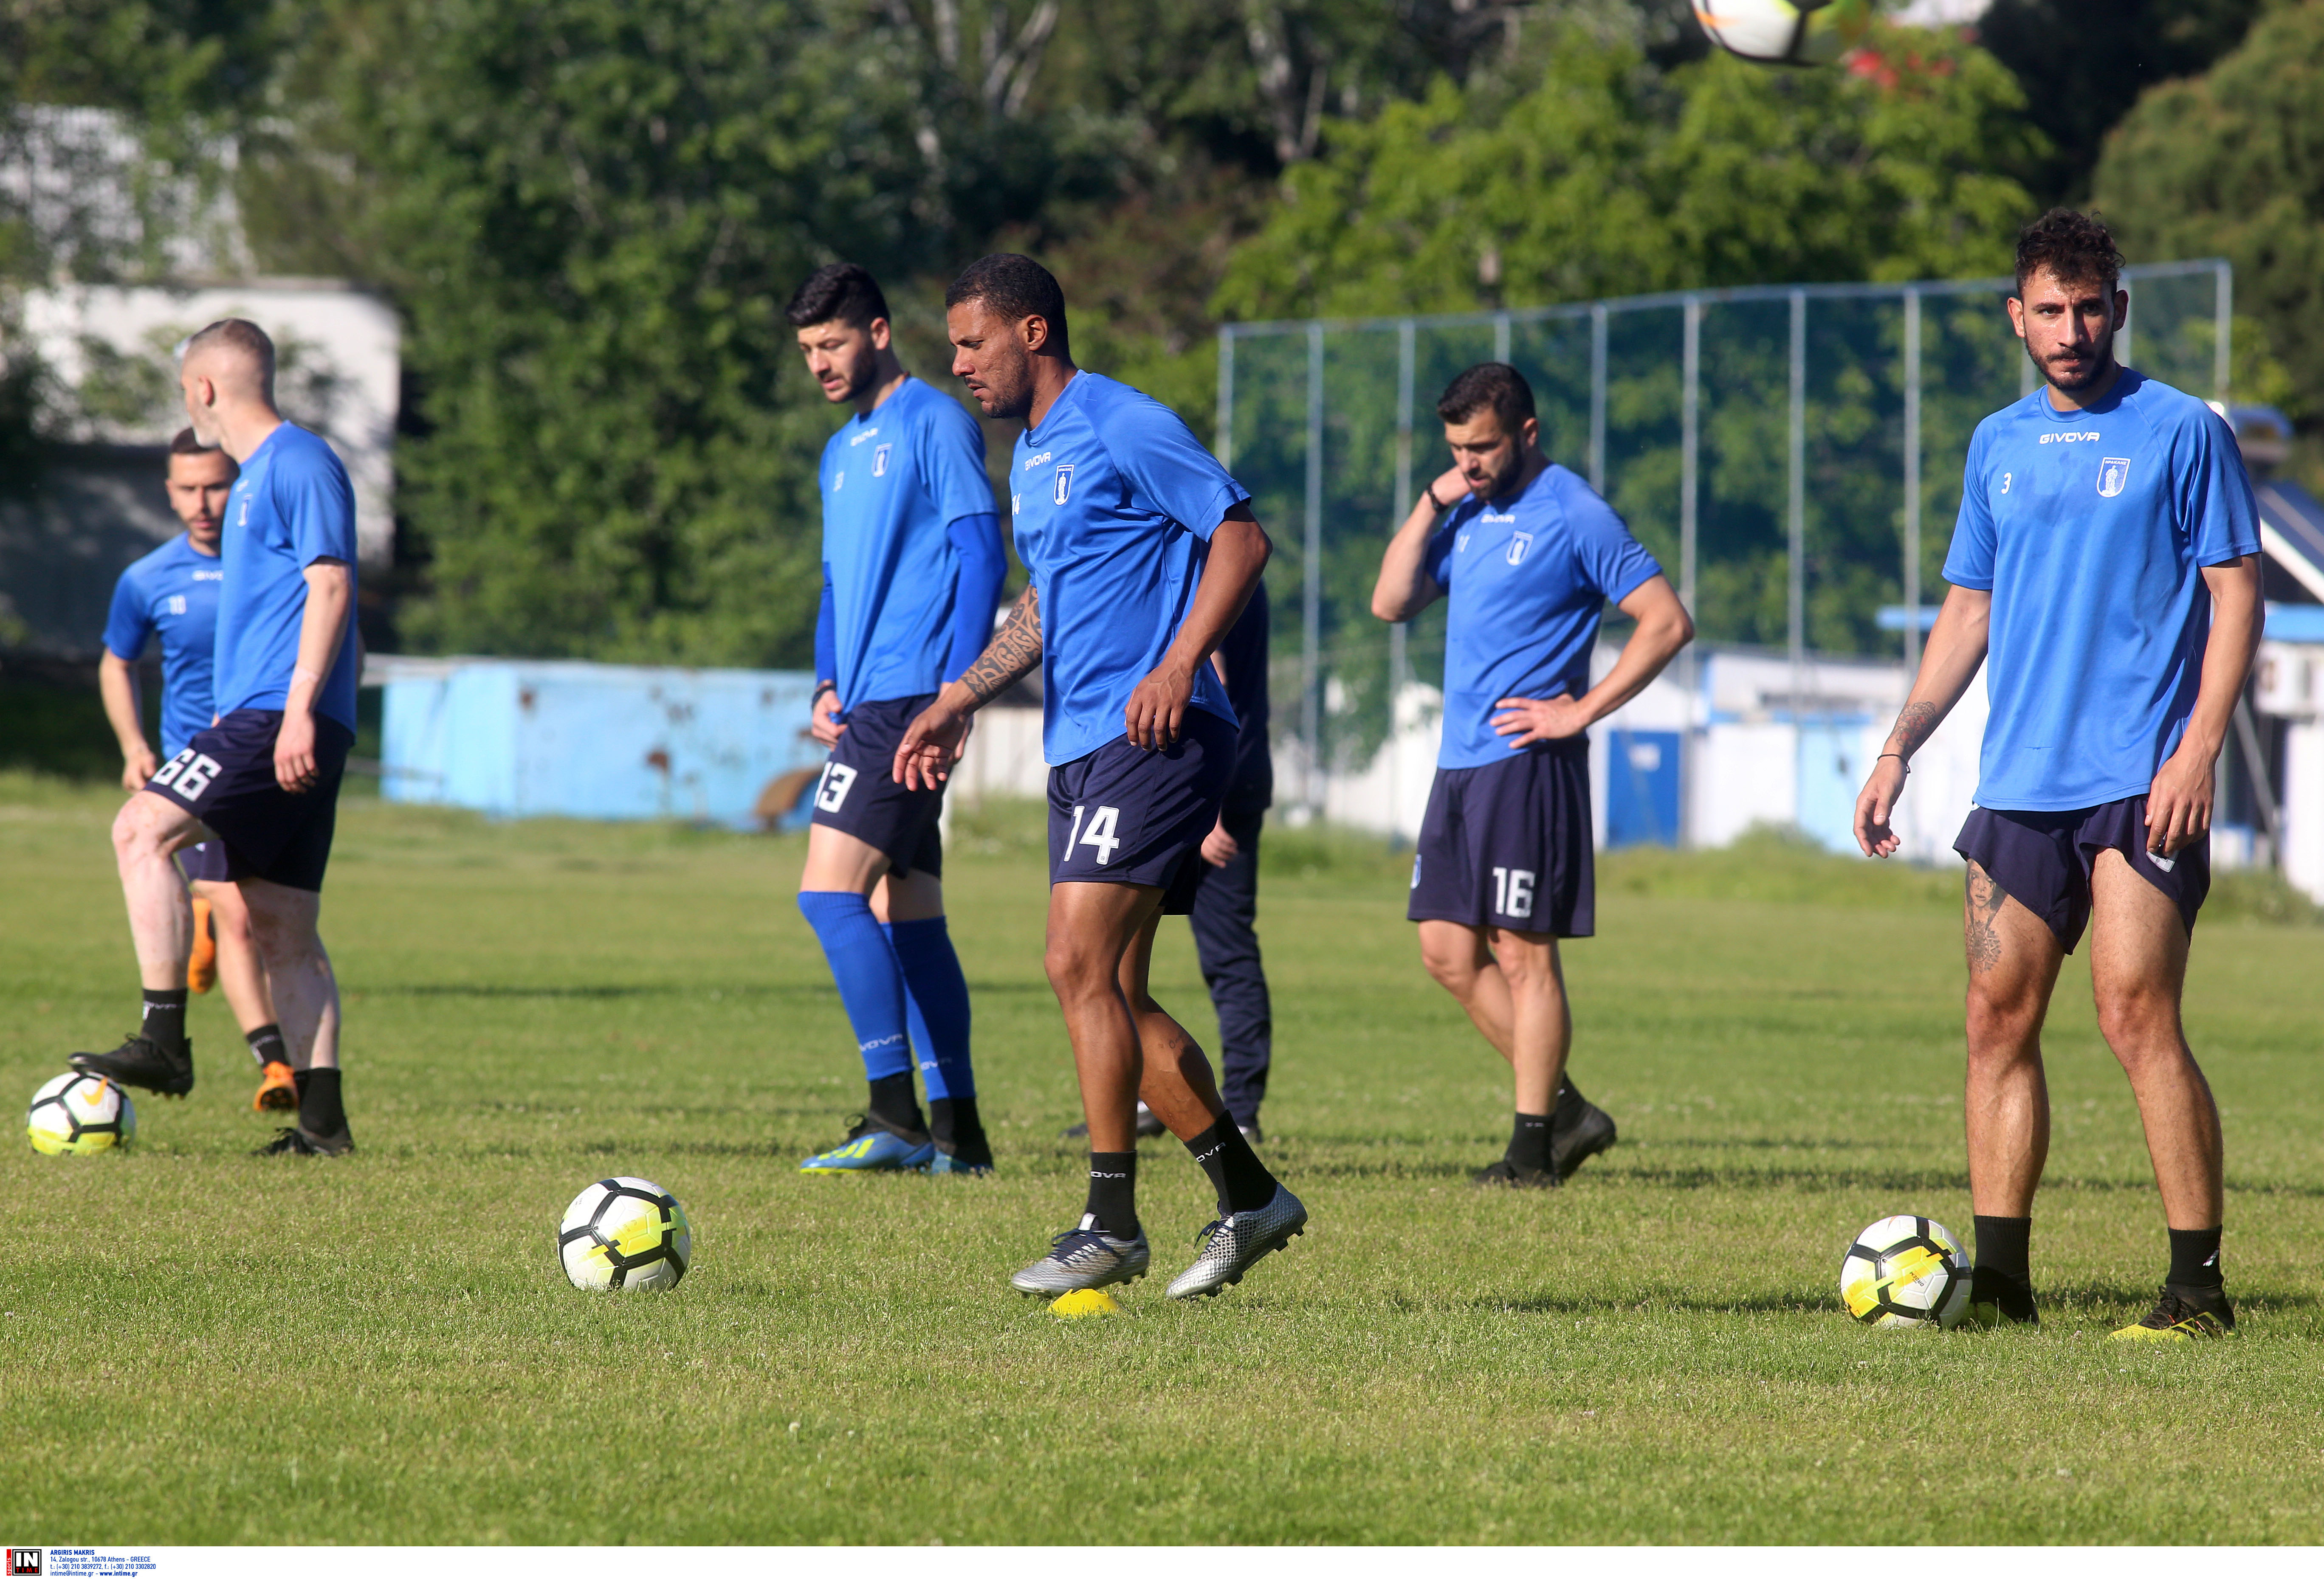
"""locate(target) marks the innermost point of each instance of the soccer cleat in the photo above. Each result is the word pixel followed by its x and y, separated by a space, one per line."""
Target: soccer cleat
pixel 1237 1242
pixel 201 964
pixel 1995 1301
pixel 871 1147
pixel 1506 1174
pixel 1148 1126
pixel 1250 1132
pixel 1578 1131
pixel 144 1063
pixel 943 1161
pixel 297 1141
pixel 278 1088
pixel 2182 1315
pixel 1084 1257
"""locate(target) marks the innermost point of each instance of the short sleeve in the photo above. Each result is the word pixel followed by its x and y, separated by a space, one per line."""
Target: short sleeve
pixel 1608 557
pixel 1436 559
pixel 1968 562
pixel 128 624
pixel 1167 467
pixel 314 498
pixel 952 461
pixel 2220 516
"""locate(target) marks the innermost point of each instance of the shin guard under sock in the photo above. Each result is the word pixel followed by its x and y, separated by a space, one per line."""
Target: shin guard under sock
pixel 871 983
pixel 938 996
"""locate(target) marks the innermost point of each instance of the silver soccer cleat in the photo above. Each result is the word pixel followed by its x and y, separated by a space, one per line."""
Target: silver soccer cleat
pixel 1234 1245
pixel 1087 1257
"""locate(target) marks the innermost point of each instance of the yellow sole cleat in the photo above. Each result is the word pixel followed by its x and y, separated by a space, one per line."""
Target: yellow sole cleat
pixel 2182 1316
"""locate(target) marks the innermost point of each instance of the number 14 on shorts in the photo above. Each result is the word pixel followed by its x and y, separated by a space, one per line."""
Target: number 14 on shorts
pixel 1513 893
pixel 1099 835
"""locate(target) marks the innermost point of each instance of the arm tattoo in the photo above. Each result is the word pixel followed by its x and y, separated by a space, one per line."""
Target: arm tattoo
pixel 1985 902
pixel 1916 724
pixel 1015 651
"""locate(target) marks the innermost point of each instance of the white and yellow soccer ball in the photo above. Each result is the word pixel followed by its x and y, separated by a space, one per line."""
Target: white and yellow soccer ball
pixel 1905 1271
pixel 624 1234
pixel 1785 33
pixel 77 1113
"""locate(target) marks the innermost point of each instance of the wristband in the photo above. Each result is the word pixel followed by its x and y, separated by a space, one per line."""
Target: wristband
pixel 298 674
pixel 1899 755
pixel 1441 507
pixel 820 687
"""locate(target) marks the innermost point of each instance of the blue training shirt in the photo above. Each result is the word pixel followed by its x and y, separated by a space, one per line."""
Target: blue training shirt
pixel 1115 501
pixel 291 507
pixel 2090 528
pixel 893 480
pixel 1528 578
pixel 172 592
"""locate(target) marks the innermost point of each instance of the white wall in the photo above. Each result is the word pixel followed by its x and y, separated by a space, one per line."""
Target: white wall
pixel 341 374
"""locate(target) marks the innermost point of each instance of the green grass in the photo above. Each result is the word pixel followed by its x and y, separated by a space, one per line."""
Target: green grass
pixel 198 1346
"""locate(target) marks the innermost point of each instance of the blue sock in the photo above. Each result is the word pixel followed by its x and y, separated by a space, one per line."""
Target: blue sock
pixel 939 1000
pixel 871 984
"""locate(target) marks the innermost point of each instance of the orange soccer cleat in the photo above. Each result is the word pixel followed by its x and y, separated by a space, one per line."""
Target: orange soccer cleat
pixel 201 966
pixel 278 1088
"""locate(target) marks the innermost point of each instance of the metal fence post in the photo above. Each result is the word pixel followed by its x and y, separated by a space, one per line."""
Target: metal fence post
pixel 1795 586
pixel 1311 613
pixel 1689 447
pixel 1224 447
pixel 1912 482
pixel 1399 633
pixel 2223 317
pixel 1501 337
pixel 1598 396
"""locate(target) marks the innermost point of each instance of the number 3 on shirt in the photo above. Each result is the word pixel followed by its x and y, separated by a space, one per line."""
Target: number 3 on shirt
pixel 1099 836
pixel 2005 481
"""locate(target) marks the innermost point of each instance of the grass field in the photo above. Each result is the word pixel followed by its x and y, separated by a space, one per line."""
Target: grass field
pixel 201 1346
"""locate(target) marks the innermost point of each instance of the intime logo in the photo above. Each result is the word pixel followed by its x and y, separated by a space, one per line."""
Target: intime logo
pixel 23 1562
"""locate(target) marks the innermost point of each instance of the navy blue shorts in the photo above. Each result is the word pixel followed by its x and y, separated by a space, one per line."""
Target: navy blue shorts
pixel 207 862
pixel 2043 860
pixel 1123 815
pixel 1507 845
pixel 859 795
pixel 225 777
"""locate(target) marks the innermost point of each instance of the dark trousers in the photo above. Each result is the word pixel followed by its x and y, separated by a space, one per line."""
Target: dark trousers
pixel 1224 908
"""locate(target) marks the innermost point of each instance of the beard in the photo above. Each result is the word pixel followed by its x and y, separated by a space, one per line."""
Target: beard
pixel 2075 374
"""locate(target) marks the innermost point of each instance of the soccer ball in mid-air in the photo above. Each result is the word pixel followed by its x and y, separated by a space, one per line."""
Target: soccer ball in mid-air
pixel 1785 33
pixel 1905 1271
pixel 624 1234
pixel 76 1114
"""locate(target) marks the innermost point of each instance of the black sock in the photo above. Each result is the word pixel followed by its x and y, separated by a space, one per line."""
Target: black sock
pixel 1240 1179
pixel 1530 1142
pixel 1113 1193
pixel 320 1112
pixel 954 1124
pixel 266 1045
pixel 891 1102
pixel 2004 1249
pixel 2195 1258
pixel 1569 1107
pixel 165 1019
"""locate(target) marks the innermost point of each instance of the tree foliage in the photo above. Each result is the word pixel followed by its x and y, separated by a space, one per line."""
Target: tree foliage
pixel 2232 163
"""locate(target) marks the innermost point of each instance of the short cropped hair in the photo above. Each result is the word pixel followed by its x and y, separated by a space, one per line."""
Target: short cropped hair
pixel 1494 386
pixel 238 335
pixel 2076 247
pixel 837 292
pixel 187 444
pixel 1017 288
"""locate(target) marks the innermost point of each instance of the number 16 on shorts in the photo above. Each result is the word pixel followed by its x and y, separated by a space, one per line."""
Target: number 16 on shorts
pixel 1513 893
pixel 1099 835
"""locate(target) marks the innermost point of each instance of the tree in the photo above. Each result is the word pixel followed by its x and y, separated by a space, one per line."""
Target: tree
pixel 2229 163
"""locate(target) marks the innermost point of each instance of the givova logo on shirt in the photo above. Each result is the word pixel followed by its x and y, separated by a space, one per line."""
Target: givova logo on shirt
pixel 2114 473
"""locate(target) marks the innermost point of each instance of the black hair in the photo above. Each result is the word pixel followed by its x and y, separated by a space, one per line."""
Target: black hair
pixel 842 292
pixel 1017 288
pixel 2075 247
pixel 187 444
pixel 1489 385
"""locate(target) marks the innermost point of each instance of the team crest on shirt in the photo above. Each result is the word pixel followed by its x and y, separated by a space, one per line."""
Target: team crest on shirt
pixel 880 460
pixel 1518 543
pixel 1064 483
pixel 2114 472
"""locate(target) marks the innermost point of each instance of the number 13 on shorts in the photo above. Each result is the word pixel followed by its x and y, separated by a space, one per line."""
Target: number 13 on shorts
pixel 1099 835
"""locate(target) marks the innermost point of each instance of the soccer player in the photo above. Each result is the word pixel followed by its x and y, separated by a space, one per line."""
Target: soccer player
pixel 173 592
pixel 1529 556
pixel 1142 552
pixel 1225 910
pixel 912 567
pixel 2106 569
pixel 264 779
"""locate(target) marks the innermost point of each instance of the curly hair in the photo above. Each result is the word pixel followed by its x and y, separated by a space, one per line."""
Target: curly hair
pixel 2075 248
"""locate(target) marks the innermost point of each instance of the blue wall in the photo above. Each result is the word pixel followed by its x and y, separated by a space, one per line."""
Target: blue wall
pixel 567 739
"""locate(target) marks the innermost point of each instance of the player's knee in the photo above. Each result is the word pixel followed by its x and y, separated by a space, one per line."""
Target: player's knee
pixel 2136 1019
pixel 1454 970
pixel 134 834
pixel 2001 1023
pixel 1075 969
